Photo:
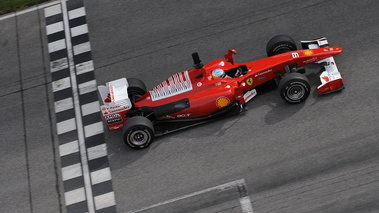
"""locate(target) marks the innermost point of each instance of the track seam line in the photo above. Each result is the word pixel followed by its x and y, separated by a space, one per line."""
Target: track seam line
pixel 23 120
pixel 54 143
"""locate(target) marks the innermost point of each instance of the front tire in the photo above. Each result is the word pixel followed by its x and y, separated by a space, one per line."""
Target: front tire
pixel 280 44
pixel 294 88
pixel 138 132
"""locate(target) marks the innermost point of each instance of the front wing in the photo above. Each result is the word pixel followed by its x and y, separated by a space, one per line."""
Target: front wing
pixel 331 79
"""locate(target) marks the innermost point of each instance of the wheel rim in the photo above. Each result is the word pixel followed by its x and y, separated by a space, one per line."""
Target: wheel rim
pixel 295 92
pixel 139 137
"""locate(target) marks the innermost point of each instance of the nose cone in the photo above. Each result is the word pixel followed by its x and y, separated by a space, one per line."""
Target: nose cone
pixel 337 50
pixel 333 50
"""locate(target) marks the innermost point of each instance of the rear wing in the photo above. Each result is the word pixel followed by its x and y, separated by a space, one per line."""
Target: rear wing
pixel 116 102
pixel 331 79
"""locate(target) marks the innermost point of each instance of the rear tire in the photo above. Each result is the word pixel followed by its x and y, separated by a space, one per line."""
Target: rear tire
pixel 138 132
pixel 294 88
pixel 280 44
pixel 136 89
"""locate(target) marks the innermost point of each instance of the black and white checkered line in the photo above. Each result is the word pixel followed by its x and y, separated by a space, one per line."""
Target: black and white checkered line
pixel 85 168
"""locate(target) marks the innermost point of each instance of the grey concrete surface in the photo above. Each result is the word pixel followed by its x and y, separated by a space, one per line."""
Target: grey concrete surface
pixel 29 176
pixel 320 156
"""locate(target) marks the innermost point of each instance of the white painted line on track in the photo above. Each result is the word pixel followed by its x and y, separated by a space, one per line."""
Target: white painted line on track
pixel 63 105
pixel 97 152
pixel 105 200
pixel 82 48
pixel 75 196
pixel 53 10
pixel 81 140
pixel 101 175
pixel 84 67
pixel 79 176
pixel 245 203
pixel 66 126
pixel 86 87
pixel 94 129
pixel 69 148
pixel 79 30
pixel 57 45
pixel 72 171
pixel 59 64
pixel 79 12
pixel 54 28
pixel 61 84
pixel 90 108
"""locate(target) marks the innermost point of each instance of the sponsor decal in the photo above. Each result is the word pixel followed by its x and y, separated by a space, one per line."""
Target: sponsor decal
pixel 262 78
pixel 295 55
pixel 310 60
pixel 111 90
pixel 326 78
pixel 326 50
pixel 167 117
pixel 218 84
pixel 199 84
pixel 262 73
pixel 222 63
pixel 222 102
pixel 308 52
pixel 112 116
pixel 108 99
pixel 106 110
pixel 116 127
pixel 249 81
pixel 183 115
pixel 114 120
pixel 174 85
pixel 249 95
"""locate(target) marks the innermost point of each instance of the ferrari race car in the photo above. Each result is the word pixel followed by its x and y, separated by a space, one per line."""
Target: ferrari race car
pixel 194 96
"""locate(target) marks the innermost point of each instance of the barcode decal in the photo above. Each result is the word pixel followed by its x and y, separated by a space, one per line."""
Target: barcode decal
pixel 174 85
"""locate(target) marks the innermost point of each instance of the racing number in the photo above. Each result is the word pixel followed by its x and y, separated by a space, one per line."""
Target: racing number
pixel 249 81
pixel 295 55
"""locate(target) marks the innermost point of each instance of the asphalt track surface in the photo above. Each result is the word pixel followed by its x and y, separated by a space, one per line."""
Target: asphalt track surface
pixel 319 156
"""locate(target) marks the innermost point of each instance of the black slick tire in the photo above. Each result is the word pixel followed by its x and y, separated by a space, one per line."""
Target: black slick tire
pixel 294 88
pixel 136 89
pixel 280 44
pixel 138 132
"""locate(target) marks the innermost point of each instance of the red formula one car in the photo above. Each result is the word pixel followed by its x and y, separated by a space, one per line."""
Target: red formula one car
pixel 195 96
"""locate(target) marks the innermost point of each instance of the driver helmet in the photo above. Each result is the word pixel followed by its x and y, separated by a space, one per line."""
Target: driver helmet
pixel 218 73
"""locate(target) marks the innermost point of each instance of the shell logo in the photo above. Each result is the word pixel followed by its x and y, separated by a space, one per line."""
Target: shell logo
pixel 104 111
pixel 222 102
pixel 308 52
